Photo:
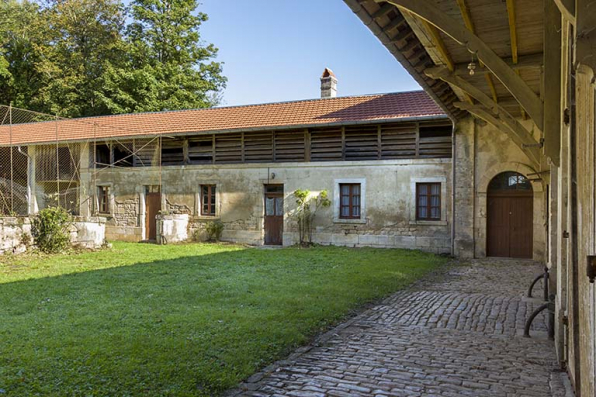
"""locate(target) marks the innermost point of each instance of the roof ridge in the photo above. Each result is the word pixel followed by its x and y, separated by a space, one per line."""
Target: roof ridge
pixel 246 106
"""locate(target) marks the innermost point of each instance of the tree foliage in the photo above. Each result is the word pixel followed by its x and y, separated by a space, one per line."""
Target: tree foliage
pixel 307 207
pixel 92 57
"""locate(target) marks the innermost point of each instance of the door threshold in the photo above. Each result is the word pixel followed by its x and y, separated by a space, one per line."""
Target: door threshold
pixel 270 247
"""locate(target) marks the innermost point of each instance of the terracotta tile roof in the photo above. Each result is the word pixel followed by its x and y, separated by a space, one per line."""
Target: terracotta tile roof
pixel 317 112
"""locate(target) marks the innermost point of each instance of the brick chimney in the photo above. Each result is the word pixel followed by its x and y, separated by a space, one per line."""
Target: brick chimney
pixel 328 84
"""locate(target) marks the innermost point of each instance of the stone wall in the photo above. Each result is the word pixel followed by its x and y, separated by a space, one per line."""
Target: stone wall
pixel 388 217
pixel 172 228
pixel 15 235
pixel 483 152
pixel 16 238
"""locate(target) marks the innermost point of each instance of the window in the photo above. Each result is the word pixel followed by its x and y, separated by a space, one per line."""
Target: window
pixel 208 200
pixel 103 196
pixel 349 200
pixel 123 154
pixel 428 201
pixel 509 181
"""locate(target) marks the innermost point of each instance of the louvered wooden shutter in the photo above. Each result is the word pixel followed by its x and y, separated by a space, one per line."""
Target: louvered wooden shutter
pixel 326 144
pixel 258 147
pixel 398 141
pixel 290 146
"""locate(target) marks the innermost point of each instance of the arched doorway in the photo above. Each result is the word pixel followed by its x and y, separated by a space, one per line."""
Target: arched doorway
pixel 510 214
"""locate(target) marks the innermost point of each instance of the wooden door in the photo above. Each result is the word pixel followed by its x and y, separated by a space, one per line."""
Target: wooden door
pixel 152 208
pixel 510 225
pixel 274 214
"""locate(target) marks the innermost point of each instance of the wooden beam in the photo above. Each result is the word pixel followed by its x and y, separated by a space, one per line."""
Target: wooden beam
pixel 515 84
pixel 525 62
pixel 552 78
pixel 439 44
pixel 410 46
pixel 491 86
pixel 512 29
pixel 519 137
pixel 402 35
pixel 394 23
pixel 491 106
pixel 585 45
pixel 465 13
pixel 513 39
pixel 384 10
pixel 567 9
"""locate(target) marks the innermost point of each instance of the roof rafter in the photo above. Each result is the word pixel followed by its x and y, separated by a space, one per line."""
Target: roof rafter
pixel 513 38
pixel 497 110
pixel 567 9
pixel 510 79
pixel 465 13
pixel 512 29
pixel 533 61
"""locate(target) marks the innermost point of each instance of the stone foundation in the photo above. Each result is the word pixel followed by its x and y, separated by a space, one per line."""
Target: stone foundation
pixel 16 238
pixel 172 228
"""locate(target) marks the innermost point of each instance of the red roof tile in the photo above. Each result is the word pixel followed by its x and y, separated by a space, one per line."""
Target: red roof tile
pixel 318 112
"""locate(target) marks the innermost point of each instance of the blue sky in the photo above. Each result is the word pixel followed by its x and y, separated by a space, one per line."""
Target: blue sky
pixel 276 50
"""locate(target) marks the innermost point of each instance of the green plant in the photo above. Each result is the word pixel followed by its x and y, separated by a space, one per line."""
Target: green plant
pixel 305 213
pixel 196 235
pixel 26 240
pixel 50 230
pixel 214 230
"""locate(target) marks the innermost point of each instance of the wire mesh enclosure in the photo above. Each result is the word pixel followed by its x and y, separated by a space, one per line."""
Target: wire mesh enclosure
pixel 43 164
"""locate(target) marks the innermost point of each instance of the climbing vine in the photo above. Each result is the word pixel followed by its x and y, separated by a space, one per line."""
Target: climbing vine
pixel 307 206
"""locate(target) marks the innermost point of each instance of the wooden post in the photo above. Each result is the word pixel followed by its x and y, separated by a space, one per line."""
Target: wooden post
pixel 552 79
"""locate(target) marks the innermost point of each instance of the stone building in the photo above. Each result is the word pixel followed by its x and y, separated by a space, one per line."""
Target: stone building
pixel 495 158
pixel 517 80
pixel 385 161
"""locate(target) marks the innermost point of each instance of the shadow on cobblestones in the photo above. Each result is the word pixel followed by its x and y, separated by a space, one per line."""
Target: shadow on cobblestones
pixel 455 333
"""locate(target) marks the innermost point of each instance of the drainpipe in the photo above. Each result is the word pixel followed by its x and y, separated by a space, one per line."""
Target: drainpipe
pixel 453 184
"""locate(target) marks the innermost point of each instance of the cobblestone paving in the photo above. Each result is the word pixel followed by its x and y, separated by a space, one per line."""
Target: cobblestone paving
pixel 456 333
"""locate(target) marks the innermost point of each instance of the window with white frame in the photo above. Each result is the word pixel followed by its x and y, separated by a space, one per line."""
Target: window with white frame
pixel 208 200
pixel 349 200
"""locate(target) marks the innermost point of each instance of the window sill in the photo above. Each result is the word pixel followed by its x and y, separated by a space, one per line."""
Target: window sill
pixel 207 217
pixel 349 221
pixel 429 223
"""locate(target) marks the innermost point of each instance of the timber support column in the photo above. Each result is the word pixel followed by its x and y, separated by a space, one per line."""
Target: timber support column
pixel 86 190
pixel 32 207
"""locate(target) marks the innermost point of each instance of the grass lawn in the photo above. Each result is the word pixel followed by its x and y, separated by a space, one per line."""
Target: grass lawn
pixel 177 320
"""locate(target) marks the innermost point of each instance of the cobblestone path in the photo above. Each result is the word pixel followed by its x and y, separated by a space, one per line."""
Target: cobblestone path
pixel 456 333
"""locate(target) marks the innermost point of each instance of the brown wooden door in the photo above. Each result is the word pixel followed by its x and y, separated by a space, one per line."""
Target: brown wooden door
pixel 274 214
pixel 152 208
pixel 510 225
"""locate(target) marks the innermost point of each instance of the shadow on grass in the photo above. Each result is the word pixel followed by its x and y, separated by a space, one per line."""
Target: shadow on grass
pixel 191 325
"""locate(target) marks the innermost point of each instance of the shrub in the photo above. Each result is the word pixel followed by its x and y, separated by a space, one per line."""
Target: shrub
pixel 214 230
pixel 307 207
pixel 50 230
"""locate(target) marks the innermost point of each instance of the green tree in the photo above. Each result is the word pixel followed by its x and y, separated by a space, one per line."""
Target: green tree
pixel 19 40
pixel 82 39
pixel 167 67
